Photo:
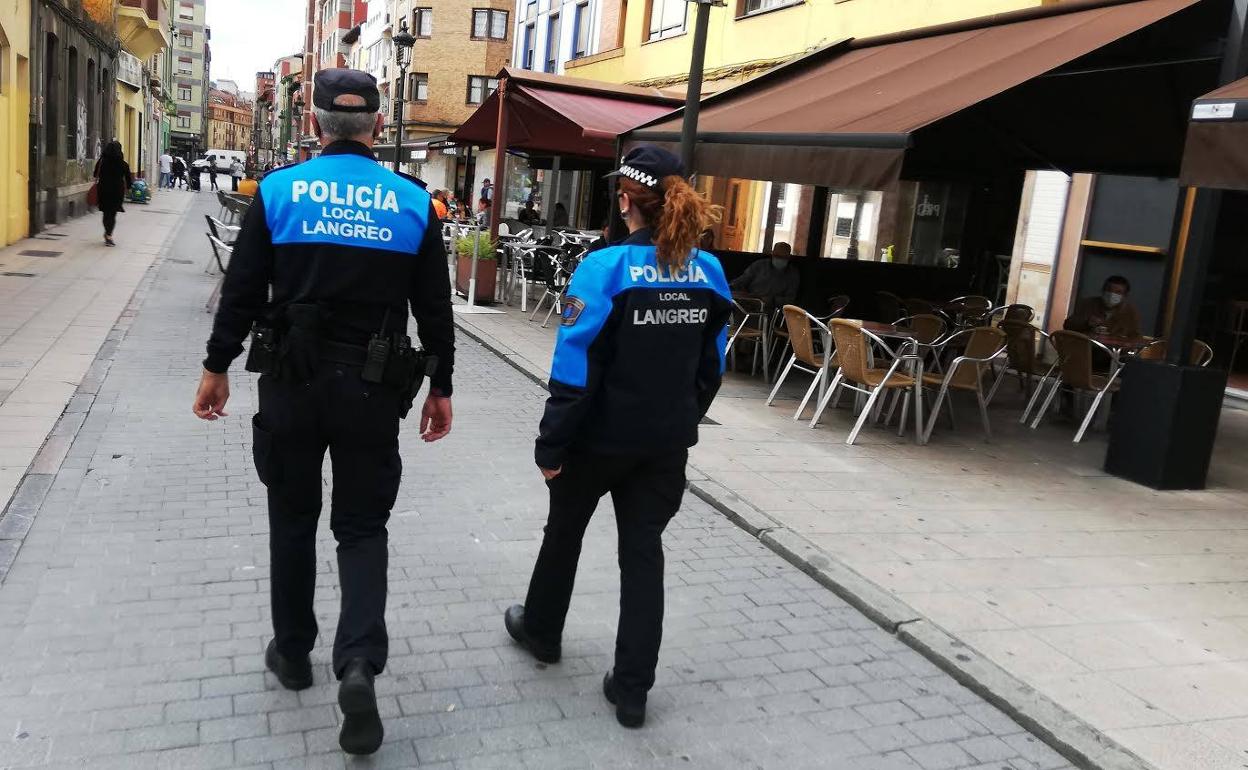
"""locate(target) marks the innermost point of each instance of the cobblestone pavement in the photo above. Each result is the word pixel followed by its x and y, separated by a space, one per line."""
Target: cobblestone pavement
pixel 133 620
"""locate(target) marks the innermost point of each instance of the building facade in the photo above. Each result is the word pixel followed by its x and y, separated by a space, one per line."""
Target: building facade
pixel 264 109
pixel 288 72
pixel 229 121
pixel 191 77
pixel 14 121
pixel 73 96
pixel 327 23
pixel 551 33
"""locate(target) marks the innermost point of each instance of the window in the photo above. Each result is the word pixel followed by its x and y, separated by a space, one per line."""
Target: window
pixel 51 49
pixel 184 93
pixel 480 87
pixel 489 24
pixel 184 120
pixel 184 65
pixel 667 18
pixel 748 7
pixel 422 19
pixel 530 35
pixel 530 10
pixel 418 87
pixel 91 89
pixel 580 31
pixel 186 11
pixel 186 38
pixel 71 125
pixel 552 42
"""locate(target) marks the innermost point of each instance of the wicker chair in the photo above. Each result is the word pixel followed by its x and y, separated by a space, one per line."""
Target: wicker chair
pixel 858 374
pixel 915 306
pixel 1024 350
pixel 927 328
pixel 1019 313
pixel 980 347
pixel 749 324
pixel 1074 355
pixel 890 306
pixel 971 309
pixel 801 330
pixel 1201 355
pixel 780 344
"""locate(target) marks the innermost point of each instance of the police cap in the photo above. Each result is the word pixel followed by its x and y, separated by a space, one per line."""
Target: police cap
pixel 330 85
pixel 649 165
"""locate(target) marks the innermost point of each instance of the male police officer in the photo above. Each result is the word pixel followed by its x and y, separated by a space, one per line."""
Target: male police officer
pixel 346 245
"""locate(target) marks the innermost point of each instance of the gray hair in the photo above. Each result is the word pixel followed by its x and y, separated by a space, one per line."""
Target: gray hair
pixel 345 125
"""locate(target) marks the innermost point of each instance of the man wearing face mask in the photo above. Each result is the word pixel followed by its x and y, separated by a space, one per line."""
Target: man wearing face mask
pixel 774 280
pixel 1111 313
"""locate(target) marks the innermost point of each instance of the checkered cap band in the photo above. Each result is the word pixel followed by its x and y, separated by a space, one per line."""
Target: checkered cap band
pixel 639 176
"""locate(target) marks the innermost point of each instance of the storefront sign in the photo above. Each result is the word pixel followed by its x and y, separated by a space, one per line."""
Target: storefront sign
pixel 129 69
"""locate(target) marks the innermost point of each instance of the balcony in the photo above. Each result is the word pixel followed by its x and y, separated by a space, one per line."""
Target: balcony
pixel 142 26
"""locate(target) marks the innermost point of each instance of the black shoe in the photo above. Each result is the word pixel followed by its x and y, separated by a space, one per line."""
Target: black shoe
pixel 514 620
pixel 629 713
pixel 361 724
pixel 293 674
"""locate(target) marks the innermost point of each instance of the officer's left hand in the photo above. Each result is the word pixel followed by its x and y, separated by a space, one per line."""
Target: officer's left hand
pixel 214 391
pixel 435 418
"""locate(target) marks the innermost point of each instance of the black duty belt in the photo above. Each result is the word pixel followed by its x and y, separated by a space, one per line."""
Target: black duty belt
pixel 343 353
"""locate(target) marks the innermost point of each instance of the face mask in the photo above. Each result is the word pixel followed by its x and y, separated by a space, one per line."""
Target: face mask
pixel 779 263
pixel 1111 299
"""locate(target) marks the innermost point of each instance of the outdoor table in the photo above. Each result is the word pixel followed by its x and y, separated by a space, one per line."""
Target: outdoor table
pixel 1120 346
pixel 888 330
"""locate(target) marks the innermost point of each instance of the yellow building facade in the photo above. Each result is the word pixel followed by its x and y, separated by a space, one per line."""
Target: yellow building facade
pixel 14 119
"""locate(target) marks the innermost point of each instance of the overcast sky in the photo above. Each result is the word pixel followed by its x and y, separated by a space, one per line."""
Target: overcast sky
pixel 249 35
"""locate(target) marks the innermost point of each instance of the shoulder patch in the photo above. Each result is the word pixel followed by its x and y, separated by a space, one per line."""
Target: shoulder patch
pixel 572 309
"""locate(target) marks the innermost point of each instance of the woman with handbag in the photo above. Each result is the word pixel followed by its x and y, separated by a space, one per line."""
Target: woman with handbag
pixel 112 180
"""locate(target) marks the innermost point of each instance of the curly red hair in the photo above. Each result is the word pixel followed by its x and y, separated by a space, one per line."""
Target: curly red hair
pixel 677 215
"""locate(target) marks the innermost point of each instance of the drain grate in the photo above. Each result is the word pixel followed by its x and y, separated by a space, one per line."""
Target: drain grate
pixel 38 253
pixel 19 275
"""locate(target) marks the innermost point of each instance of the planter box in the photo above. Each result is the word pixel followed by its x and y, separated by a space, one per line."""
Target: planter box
pixel 487 277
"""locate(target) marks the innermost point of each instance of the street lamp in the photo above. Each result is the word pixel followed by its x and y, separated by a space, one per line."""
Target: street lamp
pixel 297 112
pixel 689 128
pixel 403 43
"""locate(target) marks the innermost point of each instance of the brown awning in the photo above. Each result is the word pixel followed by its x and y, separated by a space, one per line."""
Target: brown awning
pixel 563 115
pixel 845 115
pixel 1216 154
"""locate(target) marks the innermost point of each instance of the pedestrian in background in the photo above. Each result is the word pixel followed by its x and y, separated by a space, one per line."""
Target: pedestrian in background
pixel 638 360
pixel 113 179
pixel 249 185
pixel 166 170
pixel 324 304
pixel 236 174
pixel 212 172
pixel 179 173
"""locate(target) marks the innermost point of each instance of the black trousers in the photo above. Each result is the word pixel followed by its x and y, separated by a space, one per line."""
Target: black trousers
pixel 646 493
pixel 234 182
pixel 359 424
pixel 110 222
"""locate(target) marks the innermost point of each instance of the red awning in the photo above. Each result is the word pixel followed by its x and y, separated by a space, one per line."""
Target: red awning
pixel 564 116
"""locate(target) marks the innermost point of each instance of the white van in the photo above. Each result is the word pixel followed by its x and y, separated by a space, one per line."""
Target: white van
pixel 223 158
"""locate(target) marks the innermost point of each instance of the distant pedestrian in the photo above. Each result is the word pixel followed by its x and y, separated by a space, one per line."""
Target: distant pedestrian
pixel 487 190
pixel 113 179
pixel 212 172
pixel 166 170
pixel 248 185
pixel 483 213
pixel 236 173
pixel 179 173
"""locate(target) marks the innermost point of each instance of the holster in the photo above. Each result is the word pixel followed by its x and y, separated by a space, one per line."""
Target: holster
pixel 300 350
pixel 406 370
pixel 263 354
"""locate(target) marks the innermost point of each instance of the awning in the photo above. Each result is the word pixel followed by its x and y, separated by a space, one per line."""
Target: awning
pixel 1217 140
pixel 845 116
pixel 563 115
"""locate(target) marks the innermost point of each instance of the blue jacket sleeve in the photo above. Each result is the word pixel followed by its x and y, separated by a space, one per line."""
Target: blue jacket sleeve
pixel 581 356
pixel 245 291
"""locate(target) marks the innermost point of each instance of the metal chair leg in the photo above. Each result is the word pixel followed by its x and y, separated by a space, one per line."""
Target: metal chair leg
pixel 862 418
pixel 780 381
pixel 823 402
pixel 941 396
pixel 905 410
pixel 1048 401
pixel 918 405
pixel 1035 394
pixel 818 382
pixel 1087 420
pixel 983 413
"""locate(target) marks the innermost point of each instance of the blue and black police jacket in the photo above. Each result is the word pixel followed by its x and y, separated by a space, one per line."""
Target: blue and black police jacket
pixel 344 233
pixel 639 356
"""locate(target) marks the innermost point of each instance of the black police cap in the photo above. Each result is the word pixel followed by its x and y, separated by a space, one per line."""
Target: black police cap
pixel 649 165
pixel 330 84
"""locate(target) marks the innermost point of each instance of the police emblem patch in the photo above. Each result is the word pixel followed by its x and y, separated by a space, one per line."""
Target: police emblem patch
pixel 572 308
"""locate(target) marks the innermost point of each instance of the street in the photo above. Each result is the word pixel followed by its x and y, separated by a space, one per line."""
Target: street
pixel 133 620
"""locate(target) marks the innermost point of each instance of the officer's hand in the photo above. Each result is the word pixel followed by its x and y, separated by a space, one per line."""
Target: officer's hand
pixel 549 474
pixel 435 418
pixel 214 391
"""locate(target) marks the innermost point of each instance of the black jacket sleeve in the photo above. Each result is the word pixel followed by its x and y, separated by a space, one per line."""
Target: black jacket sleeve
pixel 245 292
pixel 431 304
pixel 711 364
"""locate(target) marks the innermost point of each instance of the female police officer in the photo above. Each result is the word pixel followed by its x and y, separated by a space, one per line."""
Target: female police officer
pixel 638 360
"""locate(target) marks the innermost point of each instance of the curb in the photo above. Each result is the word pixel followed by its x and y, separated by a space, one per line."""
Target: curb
pixel 18 516
pixel 1061 730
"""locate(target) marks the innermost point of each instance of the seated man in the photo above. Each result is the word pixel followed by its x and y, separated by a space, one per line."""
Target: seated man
pixel 774 279
pixel 1111 313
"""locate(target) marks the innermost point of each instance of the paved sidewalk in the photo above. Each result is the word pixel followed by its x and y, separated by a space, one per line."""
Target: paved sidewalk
pixel 58 301
pixel 133 621
pixel 1124 607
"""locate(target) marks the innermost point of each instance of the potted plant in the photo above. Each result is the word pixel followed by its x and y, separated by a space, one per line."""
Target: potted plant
pixel 487 265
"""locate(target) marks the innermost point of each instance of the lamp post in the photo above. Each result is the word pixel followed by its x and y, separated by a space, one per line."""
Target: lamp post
pixel 689 128
pixel 403 43
pixel 297 131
